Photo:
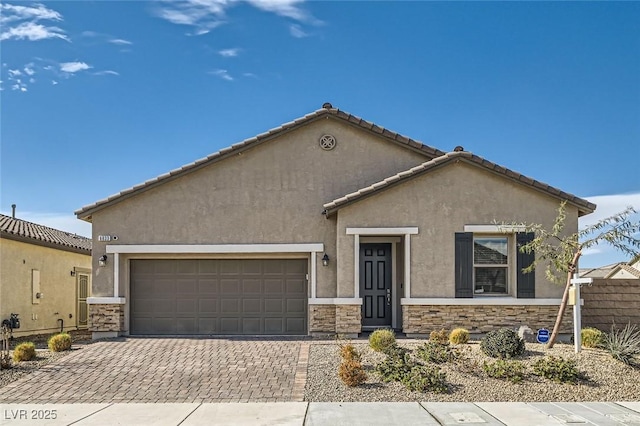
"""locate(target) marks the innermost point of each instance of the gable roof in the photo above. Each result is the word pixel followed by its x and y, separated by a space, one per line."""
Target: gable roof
pixel 584 206
pixel 32 233
pixel 327 110
pixel 625 267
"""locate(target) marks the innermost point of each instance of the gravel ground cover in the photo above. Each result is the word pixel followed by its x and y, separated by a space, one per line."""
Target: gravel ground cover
pixel 43 354
pixel 608 379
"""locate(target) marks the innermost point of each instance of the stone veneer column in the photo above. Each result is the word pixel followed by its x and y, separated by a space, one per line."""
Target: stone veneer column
pixel 106 320
pixel 348 319
pixel 422 319
pixel 322 319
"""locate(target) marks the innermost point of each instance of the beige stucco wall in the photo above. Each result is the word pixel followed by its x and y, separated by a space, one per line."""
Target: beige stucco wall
pixel 272 193
pixel 440 203
pixel 17 260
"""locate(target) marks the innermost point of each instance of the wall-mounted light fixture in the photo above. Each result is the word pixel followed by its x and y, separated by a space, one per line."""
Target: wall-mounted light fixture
pixel 73 273
pixel 102 260
pixel 325 259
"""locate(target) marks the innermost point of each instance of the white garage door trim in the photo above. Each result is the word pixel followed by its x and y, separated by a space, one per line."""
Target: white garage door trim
pixel 117 249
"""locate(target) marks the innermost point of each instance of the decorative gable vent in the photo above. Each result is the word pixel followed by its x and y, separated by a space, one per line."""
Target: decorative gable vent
pixel 327 142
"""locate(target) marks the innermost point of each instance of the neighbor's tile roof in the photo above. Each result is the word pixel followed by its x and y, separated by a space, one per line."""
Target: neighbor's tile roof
pixel 630 269
pixel 22 230
pixel 584 206
pixel 327 110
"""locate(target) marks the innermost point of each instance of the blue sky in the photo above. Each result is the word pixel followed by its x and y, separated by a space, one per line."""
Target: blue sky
pixel 99 96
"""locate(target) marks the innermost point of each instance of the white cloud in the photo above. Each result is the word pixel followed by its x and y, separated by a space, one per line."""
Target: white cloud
pixel 53 82
pixel 106 72
pixel 13 73
pixel 120 41
pixel 249 75
pixel 296 31
pixel 22 23
pixel 28 69
pixel 73 67
pixel 60 221
pixel 223 74
pixel 11 13
pixel 206 15
pixel 229 53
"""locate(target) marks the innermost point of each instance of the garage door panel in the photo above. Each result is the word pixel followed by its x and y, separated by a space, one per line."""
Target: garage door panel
pixel 251 306
pixel 273 286
pixel 274 306
pixel 253 286
pixel 219 296
pixel 208 306
pixel 230 326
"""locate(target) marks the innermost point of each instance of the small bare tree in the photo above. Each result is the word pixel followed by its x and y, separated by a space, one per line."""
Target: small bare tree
pixel 561 252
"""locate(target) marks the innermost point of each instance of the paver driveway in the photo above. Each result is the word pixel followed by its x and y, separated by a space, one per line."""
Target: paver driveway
pixel 170 370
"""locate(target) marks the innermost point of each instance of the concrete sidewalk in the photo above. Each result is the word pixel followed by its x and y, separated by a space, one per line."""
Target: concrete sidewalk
pixel 326 413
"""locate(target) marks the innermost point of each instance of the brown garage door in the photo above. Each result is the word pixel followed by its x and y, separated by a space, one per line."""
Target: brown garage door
pixel 207 296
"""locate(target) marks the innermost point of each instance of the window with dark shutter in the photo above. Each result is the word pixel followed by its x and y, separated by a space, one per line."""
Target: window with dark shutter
pixel 526 281
pixel 464 264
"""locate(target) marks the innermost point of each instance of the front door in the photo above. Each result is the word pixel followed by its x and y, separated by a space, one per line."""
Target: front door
pixel 375 284
pixel 82 279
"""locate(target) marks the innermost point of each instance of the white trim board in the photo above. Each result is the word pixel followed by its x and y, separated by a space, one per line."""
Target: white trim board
pixel 383 231
pixel 216 248
pixel 494 229
pixel 479 301
pixel 336 301
pixel 106 300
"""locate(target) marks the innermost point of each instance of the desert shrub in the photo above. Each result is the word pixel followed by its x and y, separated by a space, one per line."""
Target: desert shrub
pixel 459 336
pixel 436 352
pixel 505 369
pixel 349 352
pixel 502 343
pixel 624 345
pixel 439 336
pixel 381 339
pixel 466 363
pixel 423 378
pixel 24 352
pixel 591 337
pixel 396 365
pixel 351 372
pixel 557 369
pixel 60 342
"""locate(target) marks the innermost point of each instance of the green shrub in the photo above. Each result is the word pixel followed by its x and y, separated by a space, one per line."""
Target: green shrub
pixel 557 369
pixel 504 369
pixel 502 343
pixel 381 339
pixel 439 336
pixel 624 345
pixel 349 352
pixel 591 337
pixel 60 342
pixel 423 378
pixel 396 365
pixel 24 352
pixel 459 336
pixel 351 373
pixel 436 352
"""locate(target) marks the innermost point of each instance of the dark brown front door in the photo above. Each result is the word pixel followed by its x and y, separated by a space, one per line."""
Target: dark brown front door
pixel 375 284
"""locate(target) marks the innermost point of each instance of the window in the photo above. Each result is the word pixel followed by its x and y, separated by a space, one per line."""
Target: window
pixel 487 263
pixel 491 265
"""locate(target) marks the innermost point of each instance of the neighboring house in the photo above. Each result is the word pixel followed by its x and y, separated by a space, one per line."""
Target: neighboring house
pixel 45 277
pixel 599 272
pixel 327 224
pixel 630 270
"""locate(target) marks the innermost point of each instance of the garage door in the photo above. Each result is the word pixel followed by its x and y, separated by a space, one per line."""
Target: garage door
pixel 207 296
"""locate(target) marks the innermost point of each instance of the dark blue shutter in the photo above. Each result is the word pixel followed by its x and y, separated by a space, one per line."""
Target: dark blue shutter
pixel 526 282
pixel 464 264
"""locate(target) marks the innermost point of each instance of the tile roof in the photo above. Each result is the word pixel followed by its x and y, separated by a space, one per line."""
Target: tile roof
pixel 626 267
pixel 18 229
pixel 326 110
pixel 600 272
pixel 584 206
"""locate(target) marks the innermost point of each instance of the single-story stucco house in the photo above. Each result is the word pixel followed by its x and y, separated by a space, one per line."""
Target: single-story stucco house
pixel 326 224
pixel 45 277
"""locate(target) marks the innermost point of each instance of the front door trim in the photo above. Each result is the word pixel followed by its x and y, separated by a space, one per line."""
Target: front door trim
pixel 406 232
